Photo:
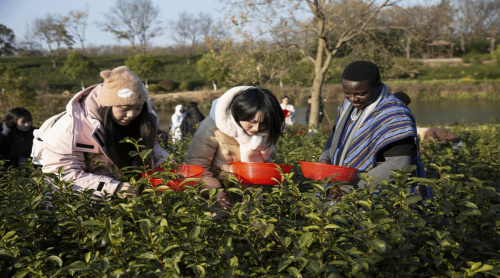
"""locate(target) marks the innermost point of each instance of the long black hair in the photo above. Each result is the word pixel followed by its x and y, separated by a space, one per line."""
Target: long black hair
pixel 144 126
pixel 20 141
pixel 245 105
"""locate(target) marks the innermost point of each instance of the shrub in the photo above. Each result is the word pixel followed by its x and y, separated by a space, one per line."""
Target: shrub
pixel 167 85
pixel 185 86
pixel 496 55
pixel 290 230
pixel 153 88
pixel 476 58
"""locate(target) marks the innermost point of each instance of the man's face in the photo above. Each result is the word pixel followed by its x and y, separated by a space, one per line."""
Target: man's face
pixel 360 93
pixel 285 101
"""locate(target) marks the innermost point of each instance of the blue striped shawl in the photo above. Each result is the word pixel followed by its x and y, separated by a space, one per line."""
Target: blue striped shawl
pixel 389 122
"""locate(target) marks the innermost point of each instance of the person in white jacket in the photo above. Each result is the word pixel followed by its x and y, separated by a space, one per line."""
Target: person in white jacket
pixel 289 111
pixel 176 122
pixel 86 140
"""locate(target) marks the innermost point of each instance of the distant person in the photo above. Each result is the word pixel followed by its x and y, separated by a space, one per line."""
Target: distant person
pixel 289 111
pixel 86 140
pixel 308 111
pixel 16 137
pixel 161 134
pixel 428 134
pixel 403 97
pixel 192 117
pixel 176 123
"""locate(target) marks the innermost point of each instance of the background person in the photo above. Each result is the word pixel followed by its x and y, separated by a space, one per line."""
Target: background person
pixel 308 111
pixel 427 134
pixel 86 140
pixel 176 122
pixel 290 118
pixel 244 125
pixel 16 137
pixel 192 117
pixel 374 132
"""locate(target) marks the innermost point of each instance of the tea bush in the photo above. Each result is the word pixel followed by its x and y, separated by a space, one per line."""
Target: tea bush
pixel 290 230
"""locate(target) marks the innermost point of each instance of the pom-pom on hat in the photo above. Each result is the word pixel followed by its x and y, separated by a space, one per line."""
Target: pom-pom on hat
pixel 121 87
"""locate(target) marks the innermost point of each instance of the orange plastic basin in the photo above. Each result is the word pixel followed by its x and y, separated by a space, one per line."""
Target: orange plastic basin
pixel 183 172
pixel 259 173
pixel 319 172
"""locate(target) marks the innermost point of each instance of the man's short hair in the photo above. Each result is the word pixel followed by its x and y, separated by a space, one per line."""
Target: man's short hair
pixel 402 96
pixel 361 71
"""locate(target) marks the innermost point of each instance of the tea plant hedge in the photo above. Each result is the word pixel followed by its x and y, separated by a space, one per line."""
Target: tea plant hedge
pixel 290 230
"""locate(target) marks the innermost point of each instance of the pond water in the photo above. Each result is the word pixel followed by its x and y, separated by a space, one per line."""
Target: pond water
pixel 444 112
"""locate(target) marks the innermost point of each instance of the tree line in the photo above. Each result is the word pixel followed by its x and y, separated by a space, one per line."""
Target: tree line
pixel 270 38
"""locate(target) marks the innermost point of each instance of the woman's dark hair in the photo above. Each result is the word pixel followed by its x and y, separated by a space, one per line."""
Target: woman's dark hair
pixel 144 126
pixel 14 115
pixel 247 103
pixel 20 141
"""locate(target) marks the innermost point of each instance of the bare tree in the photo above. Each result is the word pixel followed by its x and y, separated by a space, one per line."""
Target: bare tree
pixel 133 20
pixel 188 31
pixel 317 21
pixel 52 31
pixel 477 19
pixel 76 22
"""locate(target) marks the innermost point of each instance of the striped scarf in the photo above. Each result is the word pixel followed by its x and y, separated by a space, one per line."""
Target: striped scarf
pixel 385 123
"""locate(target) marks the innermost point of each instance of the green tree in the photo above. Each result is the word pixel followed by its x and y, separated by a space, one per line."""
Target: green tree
pixel 7 38
pixel 143 65
pixel 78 67
pixel 13 90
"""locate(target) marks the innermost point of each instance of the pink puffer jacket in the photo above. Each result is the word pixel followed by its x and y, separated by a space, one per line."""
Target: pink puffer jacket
pixel 76 142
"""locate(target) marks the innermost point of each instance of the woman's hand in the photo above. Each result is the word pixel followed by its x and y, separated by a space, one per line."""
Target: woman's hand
pixel 5 128
pixel 323 161
pixel 127 190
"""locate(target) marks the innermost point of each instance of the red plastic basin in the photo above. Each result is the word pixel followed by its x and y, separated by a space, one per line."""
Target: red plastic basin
pixel 183 172
pixel 319 172
pixel 286 112
pixel 259 173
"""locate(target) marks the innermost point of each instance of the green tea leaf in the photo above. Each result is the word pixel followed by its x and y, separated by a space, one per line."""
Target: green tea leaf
pixel 195 232
pixel 378 245
pixel 56 260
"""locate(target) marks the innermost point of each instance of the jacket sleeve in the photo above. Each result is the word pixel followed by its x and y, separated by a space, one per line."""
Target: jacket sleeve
pixel 57 153
pixel 202 151
pixel 160 154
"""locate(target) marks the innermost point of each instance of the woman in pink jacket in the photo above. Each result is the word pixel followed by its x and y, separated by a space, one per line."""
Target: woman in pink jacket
pixel 86 140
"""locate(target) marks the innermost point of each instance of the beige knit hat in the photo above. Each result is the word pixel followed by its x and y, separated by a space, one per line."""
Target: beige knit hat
pixel 121 87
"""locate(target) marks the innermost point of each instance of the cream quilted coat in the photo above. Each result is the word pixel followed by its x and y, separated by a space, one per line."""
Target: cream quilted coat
pixel 214 151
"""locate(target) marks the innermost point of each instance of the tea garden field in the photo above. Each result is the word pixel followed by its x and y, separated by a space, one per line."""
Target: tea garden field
pixel 284 231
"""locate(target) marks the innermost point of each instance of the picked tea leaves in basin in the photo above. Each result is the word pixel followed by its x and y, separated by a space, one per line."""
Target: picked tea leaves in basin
pixel 183 172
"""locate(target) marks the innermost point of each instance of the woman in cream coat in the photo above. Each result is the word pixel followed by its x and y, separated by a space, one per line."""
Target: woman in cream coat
pixel 244 125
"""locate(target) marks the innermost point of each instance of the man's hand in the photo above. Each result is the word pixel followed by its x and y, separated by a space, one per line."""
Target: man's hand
pixel 337 193
pixel 323 161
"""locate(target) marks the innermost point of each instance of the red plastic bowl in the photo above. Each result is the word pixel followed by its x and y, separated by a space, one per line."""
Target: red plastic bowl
pixel 319 172
pixel 259 173
pixel 286 112
pixel 183 172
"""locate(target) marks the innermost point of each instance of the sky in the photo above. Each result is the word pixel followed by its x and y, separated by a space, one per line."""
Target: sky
pixel 19 14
